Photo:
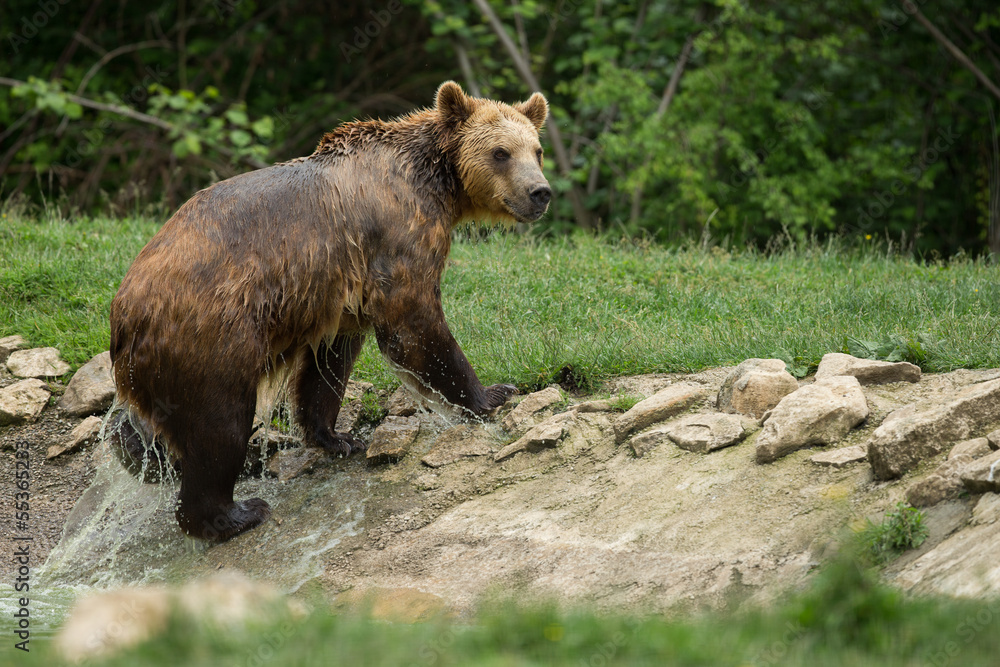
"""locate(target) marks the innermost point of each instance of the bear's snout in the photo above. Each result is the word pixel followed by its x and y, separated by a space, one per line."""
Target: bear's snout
pixel 540 196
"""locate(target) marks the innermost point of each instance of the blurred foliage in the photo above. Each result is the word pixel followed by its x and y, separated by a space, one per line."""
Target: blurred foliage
pixel 789 119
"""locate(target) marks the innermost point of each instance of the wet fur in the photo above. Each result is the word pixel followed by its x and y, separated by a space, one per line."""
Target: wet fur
pixel 292 266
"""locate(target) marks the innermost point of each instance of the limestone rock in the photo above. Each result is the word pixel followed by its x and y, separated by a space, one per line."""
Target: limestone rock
pixel 648 440
pixel 457 443
pixel 942 484
pixel 23 401
pixel 923 429
pixel 982 475
pixel 973 449
pixel 288 464
pixel 401 403
pixel 392 438
pixel 350 408
pixel 662 405
pixel 840 457
pixel 92 388
pixel 527 411
pixel 868 371
pixel 817 414
pixel 993 439
pixel 546 434
pixel 755 386
pixel 85 432
pixel 38 362
pixel 9 344
pixel 600 405
pixel 704 433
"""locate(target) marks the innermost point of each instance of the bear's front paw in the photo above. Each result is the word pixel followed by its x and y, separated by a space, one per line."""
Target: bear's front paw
pixel 497 395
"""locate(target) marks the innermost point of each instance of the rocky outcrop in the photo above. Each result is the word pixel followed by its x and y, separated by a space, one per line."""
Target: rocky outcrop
pixel 530 410
pixel 867 371
pixel 821 413
pixel 982 475
pixel 392 439
pixel 39 362
pixel 92 388
pixel 457 443
pixel 926 428
pixel 944 483
pixel 541 436
pixel 755 386
pixel 662 405
pixel 23 401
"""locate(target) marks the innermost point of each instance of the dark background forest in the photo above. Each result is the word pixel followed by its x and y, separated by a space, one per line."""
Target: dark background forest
pixel 726 122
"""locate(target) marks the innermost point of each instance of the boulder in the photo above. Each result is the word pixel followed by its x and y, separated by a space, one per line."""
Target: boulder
pixel 705 433
pixel 648 440
pixel 755 386
pixel 840 457
pixel 9 344
pixel 527 412
pixel 821 413
pixel 401 403
pixel 662 405
pixel 23 401
pixel 868 371
pixel 993 439
pixel 38 362
pixel 544 435
pixel 85 432
pixel 350 408
pixel 392 439
pixel 924 429
pixel 982 475
pixel 600 405
pixel 944 483
pixel 91 390
pixel 287 464
pixel 456 443
pixel 973 449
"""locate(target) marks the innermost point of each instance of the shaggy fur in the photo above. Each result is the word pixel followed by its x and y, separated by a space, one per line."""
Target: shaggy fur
pixel 291 266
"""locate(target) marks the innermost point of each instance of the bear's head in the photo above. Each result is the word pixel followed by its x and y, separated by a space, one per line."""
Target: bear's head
pixel 497 153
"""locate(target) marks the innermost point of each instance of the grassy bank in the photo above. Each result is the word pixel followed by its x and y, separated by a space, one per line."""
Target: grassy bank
pixel 529 310
pixel 845 618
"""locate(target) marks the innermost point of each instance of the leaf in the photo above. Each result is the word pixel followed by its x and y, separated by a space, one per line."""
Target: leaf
pixel 240 138
pixel 263 127
pixel 237 117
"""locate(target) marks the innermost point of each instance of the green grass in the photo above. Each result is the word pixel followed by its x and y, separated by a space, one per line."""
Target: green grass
pixel 580 309
pixel 846 617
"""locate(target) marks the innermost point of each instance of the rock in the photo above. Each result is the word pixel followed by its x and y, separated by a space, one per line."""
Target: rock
pixel 868 371
pixel 427 482
pixel 23 401
pixel 660 406
pixel 755 386
pixel 92 388
pixel 401 403
pixel 973 449
pixel 350 408
pixel 9 344
pixel 943 484
pixel 527 411
pixel 593 406
pixel 86 432
pixel 37 362
pixel 821 413
pixel 704 433
pixel 287 464
pixel 103 623
pixel 840 457
pixel 544 435
pixel 982 475
pixel 923 429
pixel 993 438
pixel 392 438
pixel 457 443
pixel 644 442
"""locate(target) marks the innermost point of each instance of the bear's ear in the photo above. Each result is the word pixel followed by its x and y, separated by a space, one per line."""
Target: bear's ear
pixel 452 102
pixel 536 109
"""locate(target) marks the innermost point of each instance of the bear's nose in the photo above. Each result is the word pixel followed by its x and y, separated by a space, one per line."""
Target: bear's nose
pixel 541 195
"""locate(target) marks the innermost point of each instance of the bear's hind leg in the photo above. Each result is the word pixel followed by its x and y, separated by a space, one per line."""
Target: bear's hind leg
pixel 319 385
pixel 214 453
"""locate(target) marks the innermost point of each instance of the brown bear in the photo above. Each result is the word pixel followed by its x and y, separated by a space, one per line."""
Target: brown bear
pixel 289 267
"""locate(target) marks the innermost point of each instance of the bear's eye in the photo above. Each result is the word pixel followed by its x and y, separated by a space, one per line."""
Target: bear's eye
pixel 500 155
pixel 538 154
